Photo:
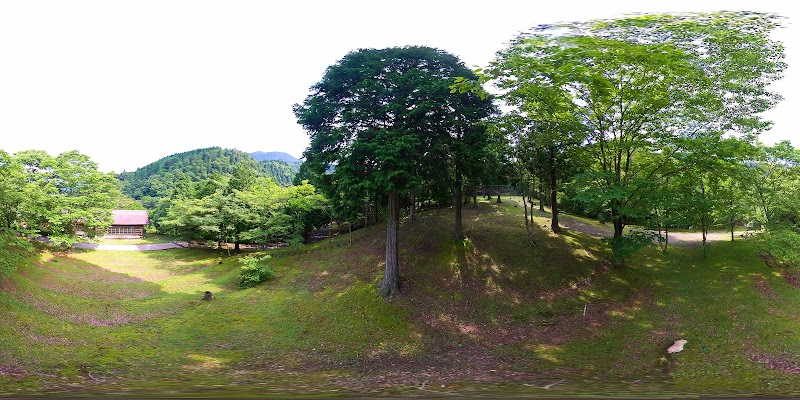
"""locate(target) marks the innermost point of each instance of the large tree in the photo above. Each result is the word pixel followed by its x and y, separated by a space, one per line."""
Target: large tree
pixel 12 197
pixel 66 193
pixel 378 120
pixel 535 83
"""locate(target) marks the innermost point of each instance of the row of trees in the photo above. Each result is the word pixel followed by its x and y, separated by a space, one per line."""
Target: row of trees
pixel 66 199
pixel 242 208
pixel 649 119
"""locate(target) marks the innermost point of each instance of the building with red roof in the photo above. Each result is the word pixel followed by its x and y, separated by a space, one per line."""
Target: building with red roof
pixel 128 224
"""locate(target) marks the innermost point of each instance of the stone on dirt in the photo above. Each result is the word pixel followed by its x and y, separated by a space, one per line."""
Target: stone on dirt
pixel 677 346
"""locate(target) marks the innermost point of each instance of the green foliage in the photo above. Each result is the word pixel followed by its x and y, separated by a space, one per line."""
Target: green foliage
pixel 629 244
pixel 13 249
pixel 783 243
pixel 263 212
pixel 639 102
pixel 773 175
pixel 12 190
pixel 254 271
pixel 384 120
pixel 282 172
pixel 60 196
pixel 125 202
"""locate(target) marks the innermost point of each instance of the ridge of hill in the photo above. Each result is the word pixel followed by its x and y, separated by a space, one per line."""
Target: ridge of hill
pixel 156 178
pixel 489 316
pixel 275 156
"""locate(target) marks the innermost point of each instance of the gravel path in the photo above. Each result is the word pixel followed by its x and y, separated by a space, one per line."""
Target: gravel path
pixel 130 247
pixel 674 237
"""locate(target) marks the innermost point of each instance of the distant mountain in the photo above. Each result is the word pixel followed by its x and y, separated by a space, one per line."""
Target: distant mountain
pixel 160 178
pixel 276 156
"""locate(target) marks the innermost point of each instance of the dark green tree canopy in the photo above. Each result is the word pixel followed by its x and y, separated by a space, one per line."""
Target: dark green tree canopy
pixel 377 114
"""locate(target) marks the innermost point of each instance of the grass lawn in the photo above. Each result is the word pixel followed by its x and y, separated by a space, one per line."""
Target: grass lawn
pixel 491 315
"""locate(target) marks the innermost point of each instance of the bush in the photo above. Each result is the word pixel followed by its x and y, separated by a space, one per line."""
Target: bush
pixel 627 245
pixel 13 248
pixel 254 271
pixel 783 243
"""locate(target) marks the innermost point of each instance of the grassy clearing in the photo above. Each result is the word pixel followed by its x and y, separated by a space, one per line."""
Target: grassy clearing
pixel 488 315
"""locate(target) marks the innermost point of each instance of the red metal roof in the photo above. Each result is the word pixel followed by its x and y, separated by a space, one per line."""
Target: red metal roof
pixel 130 217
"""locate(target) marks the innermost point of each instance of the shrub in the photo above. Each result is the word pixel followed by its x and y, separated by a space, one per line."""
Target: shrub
pixel 783 243
pixel 625 246
pixel 254 271
pixel 13 248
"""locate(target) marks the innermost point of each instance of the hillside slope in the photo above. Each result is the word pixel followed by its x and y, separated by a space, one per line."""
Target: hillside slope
pixel 491 315
pixel 156 179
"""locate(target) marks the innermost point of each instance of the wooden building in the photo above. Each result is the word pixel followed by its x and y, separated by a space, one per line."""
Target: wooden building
pixel 128 224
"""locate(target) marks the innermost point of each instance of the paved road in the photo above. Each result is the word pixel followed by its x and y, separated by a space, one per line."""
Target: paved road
pixel 130 247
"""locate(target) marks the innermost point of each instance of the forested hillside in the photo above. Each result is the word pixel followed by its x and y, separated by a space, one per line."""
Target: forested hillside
pixel 275 156
pixel 225 195
pixel 163 177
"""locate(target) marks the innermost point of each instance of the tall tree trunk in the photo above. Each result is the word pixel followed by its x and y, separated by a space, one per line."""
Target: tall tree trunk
pixel 525 204
pixel 665 243
pixel 553 196
pixel 390 285
pixel 236 246
pixel 703 221
pixel 617 220
pixel 530 186
pixel 541 195
pixel 458 233
pixel 763 205
pixel 730 204
pixel 376 210
pixel 412 212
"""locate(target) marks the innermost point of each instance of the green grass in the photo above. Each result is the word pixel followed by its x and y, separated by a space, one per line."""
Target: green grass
pixel 489 315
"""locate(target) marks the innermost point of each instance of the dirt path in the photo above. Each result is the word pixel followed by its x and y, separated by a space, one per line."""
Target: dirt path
pixel 607 230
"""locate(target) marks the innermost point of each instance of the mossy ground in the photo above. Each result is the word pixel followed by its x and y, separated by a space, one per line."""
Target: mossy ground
pixel 488 315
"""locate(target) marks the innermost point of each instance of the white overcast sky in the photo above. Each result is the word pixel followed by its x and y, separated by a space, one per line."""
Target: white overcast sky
pixel 129 82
